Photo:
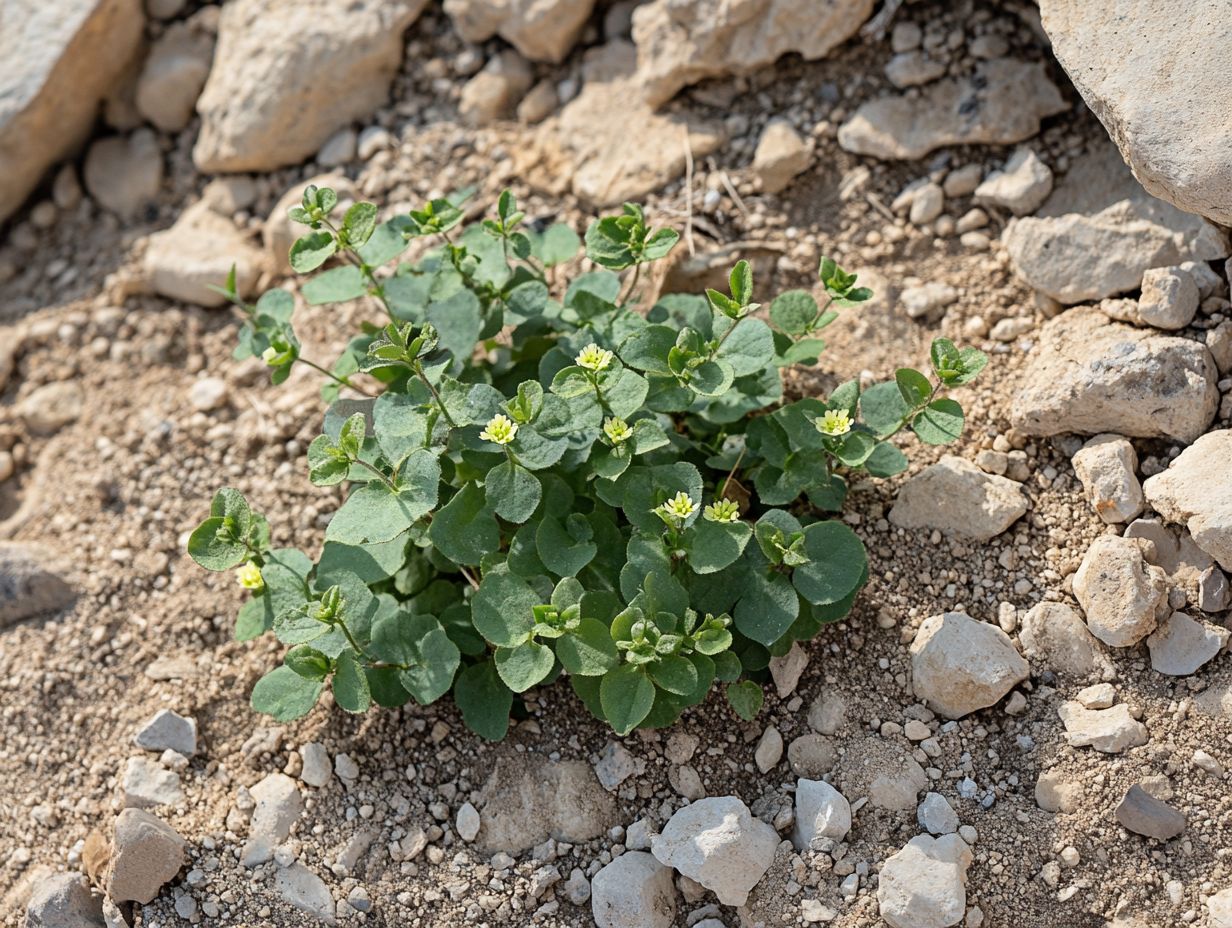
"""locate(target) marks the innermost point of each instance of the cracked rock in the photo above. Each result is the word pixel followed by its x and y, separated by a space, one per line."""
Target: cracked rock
pixel 1180 645
pixel 1196 492
pixel 925 884
pixel 1110 731
pixel 959 665
pixel 1122 595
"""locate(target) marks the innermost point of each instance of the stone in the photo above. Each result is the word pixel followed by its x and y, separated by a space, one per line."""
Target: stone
pixel 168 731
pixel 61 59
pixel 924 884
pixel 718 842
pixel 1107 467
pixel 896 786
pixel 821 812
pixel 306 891
pixel 811 756
pixel 1122 595
pixel 199 250
pixel 781 155
pixel 633 891
pixel 268 103
pixel 339 149
pixel 1219 909
pixel 230 194
pixel 374 139
pixel 577 887
pixel 928 300
pixel 959 665
pixel 1109 731
pixel 1091 376
pixel 1021 186
pixel 1214 592
pixel 148 784
pixel 279 232
pixel 1053 793
pixel 616 764
pixel 207 394
pixel 278 807
pixel 539 103
pixel 957 498
pixel 1001 103
pixel 1143 814
pixel 541 30
pixel 1099 696
pixel 64 901
pixel 30 583
pixel 769 749
pixel 585 146
pixel 963 181
pixel 51 407
pixel 317 769
pixel 936 815
pixel 828 713
pixel 1195 491
pixel 681 42
pixel 926 204
pixel 785 670
pixel 495 92
pixel 913 68
pixel 146 853
pixel 174 73
pixel 1180 645
pixel 125 173
pixel 1219 343
pixel 1169 298
pixel 467 822
pixel 528 799
pixel 1168 122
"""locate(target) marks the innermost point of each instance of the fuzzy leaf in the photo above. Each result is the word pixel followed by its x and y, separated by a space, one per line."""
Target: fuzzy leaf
pixel 465 529
pixel 626 695
pixel 524 666
pixel 285 695
pixel 484 701
pixel 512 491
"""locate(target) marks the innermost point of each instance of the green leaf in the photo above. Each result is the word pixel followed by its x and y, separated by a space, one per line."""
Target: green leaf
pixel 374 513
pixel 465 529
pixel 484 700
pixel 727 666
pixel 558 244
pixel 886 461
pixel 805 351
pixel 914 386
pixel 675 674
pixel 767 608
pixel 436 662
pixel 311 251
pixel 883 408
pixel 337 285
pixel 359 223
pixel 326 467
pixel 856 448
pixel 308 662
pixel 285 695
pixel 502 609
pixel 608 243
pixel 588 650
pixel 529 298
pixel 351 684
pixel 626 695
pixel 837 561
pixel 659 244
pixel 750 347
pixel 741 282
pixel 939 423
pixel 524 666
pixel 565 548
pixel 746 698
pixel 712 378
pixel 386 243
pixel 512 492
pixel 716 545
pixel 218 542
pixel 458 321
pixel 793 311
pixel 647 349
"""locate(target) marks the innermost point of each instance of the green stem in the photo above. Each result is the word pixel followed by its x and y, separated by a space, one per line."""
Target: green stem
pixel 637 271
pixel 353 643
pixel 332 376
pixel 418 368
pixel 385 480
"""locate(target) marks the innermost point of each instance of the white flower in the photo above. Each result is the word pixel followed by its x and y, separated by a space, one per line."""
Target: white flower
pixel 834 423
pixel 500 429
pixel 594 358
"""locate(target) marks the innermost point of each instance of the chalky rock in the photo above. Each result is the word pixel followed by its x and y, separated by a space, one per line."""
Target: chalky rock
pixel 897 784
pixel 52 406
pixel 681 42
pixel 542 30
pixel 146 853
pixel 1122 595
pixel 279 805
pixel 288 73
pixel 125 173
pixel 936 815
pixel 494 93
pixel 717 842
pixel 1055 635
pixel 317 770
pixel 279 232
pixel 821 812
pixel 168 731
pixel 633 891
pixel 1168 117
pixel 61 58
pixel 1180 645
pixel 148 784
pixel 1001 103
pixel 925 884
pixel 30 584
pixel 1196 491
pixel 781 155
pixel 1021 186
pixel 64 901
pixel 1219 909
pixel 197 252
pixel 1143 814
pixel 1053 793
pixel 306 891
pixel 1107 467
pixel 1169 298
pixel 959 665
pixel 1109 731
pixel 173 75
pixel 957 498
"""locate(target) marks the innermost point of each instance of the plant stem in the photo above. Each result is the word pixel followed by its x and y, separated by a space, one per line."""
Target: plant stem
pixel 353 643
pixel 332 376
pixel 469 579
pixel 418 368
pixel 385 480
pixel 735 467
pixel 637 271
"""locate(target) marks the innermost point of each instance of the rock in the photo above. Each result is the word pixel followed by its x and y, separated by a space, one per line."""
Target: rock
pixel 1110 731
pixel 924 884
pixel 585 145
pixel 1143 814
pixel 1001 103
pixel 339 149
pixel 577 887
pixel 317 769
pixel 64 901
pixel 1091 376
pixel 1169 298
pixel 1219 909
pixel 1021 186
pixel 279 232
pixel 1219 342
pixel 1107 467
pixel 928 300
pixel 1214 592
pixel 936 815
pixel 1180 645
pixel 495 91
pixel 811 756
pixel 181 263
pixel 1196 492
pixel 467 822
pixel 821 812
pixel 528 799
pixel 279 805
pixel 1123 596
pixel 1169 122
pixel 895 787
pixel 913 68
pixel 959 499
pixel 786 669
pixel 1053 793
pixel 267 103
pixel 173 75
pixel 926 204
pixel 207 394
pixel 681 42
pixel 61 59
pixel 168 731
pixel 146 852
pixel 230 194
pixel 539 103
pixel 717 842
pixel 828 713
pixel 616 764
pixel 633 891
pixel 148 784
pixel 30 583
pixel 769 749
pixel 52 406
pixel 959 665
pixel 303 889
pixel 1099 696
pixel 542 30
pixel 781 155
pixel 125 173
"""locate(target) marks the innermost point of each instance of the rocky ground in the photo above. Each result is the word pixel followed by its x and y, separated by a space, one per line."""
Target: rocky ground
pixel 1027 718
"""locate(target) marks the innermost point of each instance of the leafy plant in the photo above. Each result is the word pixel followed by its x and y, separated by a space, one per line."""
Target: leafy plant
pixel 544 482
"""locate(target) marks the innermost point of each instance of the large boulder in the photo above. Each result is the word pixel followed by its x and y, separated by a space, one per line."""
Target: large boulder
pixel 1196 490
pixel 681 42
pixel 542 30
pixel 1155 73
pixel 960 665
pixel 58 59
pixel 288 73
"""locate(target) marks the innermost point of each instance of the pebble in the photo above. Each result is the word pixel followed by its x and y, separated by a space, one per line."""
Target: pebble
pixel 960 665
pixel 146 853
pixel 63 900
pixel 148 784
pixel 1107 467
pixel 168 731
pixel 278 807
pixel 616 764
pixel 1143 814
pixel 769 750
pixel 467 822
pixel 717 842
pixel 924 884
pixel 1110 731
pixel 317 769
pixel 821 812
pixel 1181 644
pixel 633 891
pixel 936 815
pixel 208 393
pixel 1098 696
pixel 306 891
pixel 1122 595
pixel 960 500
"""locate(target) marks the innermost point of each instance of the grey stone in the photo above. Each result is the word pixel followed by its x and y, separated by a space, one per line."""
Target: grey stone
pixel 936 815
pixel 467 822
pixel 317 768
pixel 51 407
pixel 30 583
pixel 959 499
pixel 494 93
pixel 913 68
pixel 1181 645
pixel 1055 635
pixel 279 806
pixel 1169 298
pixel 146 853
pixel 1109 731
pixel 173 75
pixel 780 156
pixel 821 812
pixel 306 891
pixel 1107 466
pixel 924 884
pixel 125 174
pixel 168 731
pixel 959 665
pixel 1143 814
pixel 148 784
pixel 811 756
pixel 64 901
pixel 1122 595
pixel 633 891
pixel 541 30
pixel 1196 492
pixel 1214 593
pixel 1021 186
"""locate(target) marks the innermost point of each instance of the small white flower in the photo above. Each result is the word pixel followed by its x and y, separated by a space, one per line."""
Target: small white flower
pixel 835 422
pixel 679 507
pixel 594 358
pixel 500 429
pixel 722 510
pixel 249 577
pixel 617 430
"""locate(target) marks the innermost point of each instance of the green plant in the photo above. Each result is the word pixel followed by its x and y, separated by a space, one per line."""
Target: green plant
pixel 550 483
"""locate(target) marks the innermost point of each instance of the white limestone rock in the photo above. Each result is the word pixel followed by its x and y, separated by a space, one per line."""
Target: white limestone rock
pixel 959 665
pixel 168 731
pixel 925 884
pixel 279 806
pixel 1055 635
pixel 1110 731
pixel 198 251
pixel 541 30
pixel 936 815
pixel 146 853
pixel 1169 298
pixel 1021 186
pixel 1196 491
pixel 1107 466
pixel 957 498
pixel 633 891
pixel 173 75
pixel 1181 645
pixel 821 812
pixel 780 156
pixel 1122 595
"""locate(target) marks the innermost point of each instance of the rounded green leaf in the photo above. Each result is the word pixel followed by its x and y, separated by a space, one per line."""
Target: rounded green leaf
pixel 793 310
pixel 351 690
pixel 837 561
pixel 716 545
pixel 746 698
pixel 465 529
pixel 914 386
pixel 484 701
pixel 502 609
pixel 939 423
pixel 311 251
pixel 512 491
pixel 767 608
pixel 675 673
pixel 883 408
pixel 524 666
pixel 285 695
pixel 626 695
pixel 588 650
